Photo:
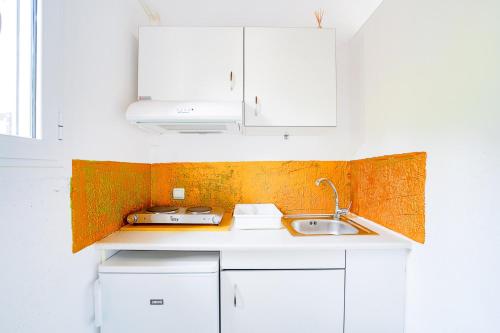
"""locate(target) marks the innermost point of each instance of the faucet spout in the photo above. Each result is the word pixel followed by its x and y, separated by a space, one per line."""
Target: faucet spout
pixel 337 210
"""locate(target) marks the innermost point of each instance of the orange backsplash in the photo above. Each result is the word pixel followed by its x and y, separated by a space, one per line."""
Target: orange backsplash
pixel 289 185
pixel 390 190
pixel 102 194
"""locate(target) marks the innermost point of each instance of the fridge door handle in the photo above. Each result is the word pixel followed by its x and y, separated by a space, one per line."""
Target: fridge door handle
pixel 97 304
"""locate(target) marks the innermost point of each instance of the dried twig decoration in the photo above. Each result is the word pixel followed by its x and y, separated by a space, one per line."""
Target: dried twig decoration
pixel 319 17
pixel 153 16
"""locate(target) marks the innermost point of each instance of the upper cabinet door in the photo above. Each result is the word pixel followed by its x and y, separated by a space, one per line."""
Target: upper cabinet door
pixel 290 77
pixel 191 63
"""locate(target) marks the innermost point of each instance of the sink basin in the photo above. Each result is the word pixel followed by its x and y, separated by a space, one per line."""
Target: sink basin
pixel 323 227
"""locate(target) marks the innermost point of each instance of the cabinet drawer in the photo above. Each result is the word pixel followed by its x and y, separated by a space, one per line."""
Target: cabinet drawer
pixel 299 259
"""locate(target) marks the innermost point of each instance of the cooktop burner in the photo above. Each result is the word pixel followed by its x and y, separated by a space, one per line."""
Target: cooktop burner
pixel 163 209
pixel 177 215
pixel 199 210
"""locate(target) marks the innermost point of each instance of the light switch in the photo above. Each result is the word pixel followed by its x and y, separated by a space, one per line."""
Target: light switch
pixel 178 193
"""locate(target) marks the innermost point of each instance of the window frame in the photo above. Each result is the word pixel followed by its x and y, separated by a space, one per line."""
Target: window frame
pixel 35 132
pixel 34 113
pixel 47 150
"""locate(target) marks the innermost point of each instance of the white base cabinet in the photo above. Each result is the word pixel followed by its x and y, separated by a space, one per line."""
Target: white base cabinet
pixel 292 291
pixel 292 301
pixel 375 292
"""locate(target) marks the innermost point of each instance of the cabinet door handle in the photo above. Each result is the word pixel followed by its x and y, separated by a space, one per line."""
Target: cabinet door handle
pixel 97 303
pixel 235 300
pixel 257 106
pixel 231 80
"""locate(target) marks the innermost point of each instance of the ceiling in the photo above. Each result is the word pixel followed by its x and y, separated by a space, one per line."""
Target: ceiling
pixel 347 16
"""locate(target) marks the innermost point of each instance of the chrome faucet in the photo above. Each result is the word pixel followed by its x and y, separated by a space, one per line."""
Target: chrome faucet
pixel 337 211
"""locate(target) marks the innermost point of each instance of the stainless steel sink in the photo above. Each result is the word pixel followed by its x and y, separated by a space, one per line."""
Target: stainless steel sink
pixel 323 227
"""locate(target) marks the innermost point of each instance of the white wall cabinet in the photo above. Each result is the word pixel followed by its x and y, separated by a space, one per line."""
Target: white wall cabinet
pixel 290 78
pixel 292 301
pixel 285 77
pixel 191 64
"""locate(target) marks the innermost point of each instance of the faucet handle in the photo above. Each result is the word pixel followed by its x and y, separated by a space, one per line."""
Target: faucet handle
pixel 345 211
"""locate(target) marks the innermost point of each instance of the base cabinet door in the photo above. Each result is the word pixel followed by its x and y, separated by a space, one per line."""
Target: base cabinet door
pixel 375 291
pixel 291 301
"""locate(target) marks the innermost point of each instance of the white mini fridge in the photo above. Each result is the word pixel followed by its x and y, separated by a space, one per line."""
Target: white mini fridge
pixel 158 291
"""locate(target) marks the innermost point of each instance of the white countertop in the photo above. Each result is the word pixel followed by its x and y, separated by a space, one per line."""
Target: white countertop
pixel 251 240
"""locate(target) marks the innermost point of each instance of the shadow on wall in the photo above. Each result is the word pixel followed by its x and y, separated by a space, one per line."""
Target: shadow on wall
pixel 388 190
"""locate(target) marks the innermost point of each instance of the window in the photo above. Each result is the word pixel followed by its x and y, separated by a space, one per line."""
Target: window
pixel 18 68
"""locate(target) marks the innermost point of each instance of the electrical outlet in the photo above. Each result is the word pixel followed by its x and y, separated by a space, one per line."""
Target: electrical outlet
pixel 178 193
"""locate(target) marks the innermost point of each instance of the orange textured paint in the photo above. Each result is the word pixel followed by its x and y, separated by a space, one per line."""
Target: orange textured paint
pixel 390 190
pixel 289 185
pixel 102 194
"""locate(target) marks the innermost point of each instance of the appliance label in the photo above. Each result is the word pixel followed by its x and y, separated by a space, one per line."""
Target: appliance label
pixel 156 302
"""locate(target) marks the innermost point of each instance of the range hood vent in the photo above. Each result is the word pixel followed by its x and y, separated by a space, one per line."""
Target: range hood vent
pixel 182 117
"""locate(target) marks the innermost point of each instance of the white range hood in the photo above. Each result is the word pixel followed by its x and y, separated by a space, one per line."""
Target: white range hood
pixel 186 117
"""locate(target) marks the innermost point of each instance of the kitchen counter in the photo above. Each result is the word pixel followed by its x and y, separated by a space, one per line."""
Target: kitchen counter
pixel 251 240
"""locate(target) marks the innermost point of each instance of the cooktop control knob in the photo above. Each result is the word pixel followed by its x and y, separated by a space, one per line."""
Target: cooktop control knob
pixel 132 218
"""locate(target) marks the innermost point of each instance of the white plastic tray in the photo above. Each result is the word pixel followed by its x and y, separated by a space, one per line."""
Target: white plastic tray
pixel 257 216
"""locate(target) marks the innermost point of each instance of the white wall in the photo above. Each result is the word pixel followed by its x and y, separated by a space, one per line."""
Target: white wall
pixel 89 75
pixel 100 79
pixel 426 77
pixel 43 286
pixel 346 16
